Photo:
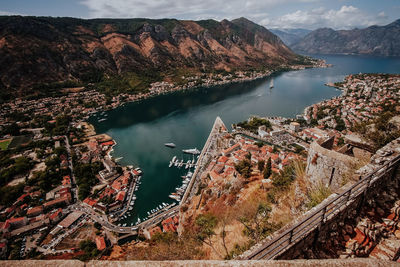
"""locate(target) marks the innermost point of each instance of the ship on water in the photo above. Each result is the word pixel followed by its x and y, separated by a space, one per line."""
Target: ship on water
pixel 193 151
pixel 171 145
pixel 271 85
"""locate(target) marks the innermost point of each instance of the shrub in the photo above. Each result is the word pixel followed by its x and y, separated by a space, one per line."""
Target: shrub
pixel 317 195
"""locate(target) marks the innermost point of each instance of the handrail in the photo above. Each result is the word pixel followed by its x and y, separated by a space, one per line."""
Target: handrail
pixel 317 218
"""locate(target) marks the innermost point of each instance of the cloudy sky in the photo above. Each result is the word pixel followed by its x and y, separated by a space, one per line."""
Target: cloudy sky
pixel 309 14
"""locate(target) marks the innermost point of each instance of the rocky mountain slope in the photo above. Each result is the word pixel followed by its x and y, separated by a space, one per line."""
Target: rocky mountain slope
pixel 43 50
pixel 290 36
pixel 374 40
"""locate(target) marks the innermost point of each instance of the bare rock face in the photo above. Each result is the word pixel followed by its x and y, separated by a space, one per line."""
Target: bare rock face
pixel 37 50
pixel 374 40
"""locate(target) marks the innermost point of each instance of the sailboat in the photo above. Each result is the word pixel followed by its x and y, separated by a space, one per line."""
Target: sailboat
pixel 271 85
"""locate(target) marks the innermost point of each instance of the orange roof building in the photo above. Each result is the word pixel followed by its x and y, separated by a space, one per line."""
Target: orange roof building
pixel 35 211
pixel 56 215
pixel 89 201
pixel 100 243
pixel 120 196
pixel 61 200
pixel 66 180
pixel 155 230
pixel 231 149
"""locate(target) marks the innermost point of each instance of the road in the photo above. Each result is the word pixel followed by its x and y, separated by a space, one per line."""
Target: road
pixel 71 167
pixel 214 131
pixel 103 220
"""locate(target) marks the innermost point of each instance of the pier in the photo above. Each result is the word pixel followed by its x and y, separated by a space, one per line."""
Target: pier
pixel 202 160
pixel 170 210
pixel 174 162
pixel 131 194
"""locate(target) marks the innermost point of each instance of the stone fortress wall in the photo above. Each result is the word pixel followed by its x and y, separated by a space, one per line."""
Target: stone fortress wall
pixel 327 166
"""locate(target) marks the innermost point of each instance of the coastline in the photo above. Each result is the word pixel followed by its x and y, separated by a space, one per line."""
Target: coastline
pixel 170 88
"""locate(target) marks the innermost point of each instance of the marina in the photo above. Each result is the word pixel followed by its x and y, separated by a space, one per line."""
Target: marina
pixel 141 133
pixel 180 163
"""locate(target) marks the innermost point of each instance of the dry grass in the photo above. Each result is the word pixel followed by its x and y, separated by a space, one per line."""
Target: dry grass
pixel 72 241
pixel 318 194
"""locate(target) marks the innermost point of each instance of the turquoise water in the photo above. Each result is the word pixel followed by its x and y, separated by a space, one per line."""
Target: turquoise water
pixel 185 118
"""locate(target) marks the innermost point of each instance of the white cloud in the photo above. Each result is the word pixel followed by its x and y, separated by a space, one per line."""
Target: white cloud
pixel 260 11
pixel 7 13
pixel 347 17
pixel 184 9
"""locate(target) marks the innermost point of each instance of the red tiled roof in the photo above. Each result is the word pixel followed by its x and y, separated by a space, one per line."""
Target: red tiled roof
pixel 55 214
pixel 22 197
pixel 89 201
pixel 66 180
pixel 35 210
pixel 100 242
pixel 10 209
pixel 154 230
pixel 120 196
pixel 6 225
pixel 230 149
pixel 223 159
pixel 108 143
pixel 50 203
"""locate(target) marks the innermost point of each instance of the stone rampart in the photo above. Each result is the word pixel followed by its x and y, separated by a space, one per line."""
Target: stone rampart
pixel 328 167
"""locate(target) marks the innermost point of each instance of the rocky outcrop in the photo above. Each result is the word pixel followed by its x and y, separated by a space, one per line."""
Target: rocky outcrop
pixel 37 50
pixel 374 40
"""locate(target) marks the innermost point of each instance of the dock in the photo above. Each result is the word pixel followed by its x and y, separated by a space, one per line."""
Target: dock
pixel 173 209
pixel 174 162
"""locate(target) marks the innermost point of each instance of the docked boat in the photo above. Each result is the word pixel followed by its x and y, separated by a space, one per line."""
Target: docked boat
pixel 101 120
pixel 178 198
pixel 171 145
pixel 139 171
pixel 193 151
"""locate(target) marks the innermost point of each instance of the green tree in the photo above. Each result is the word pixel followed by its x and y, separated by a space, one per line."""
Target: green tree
pixel 90 249
pixel 244 167
pixel 256 223
pixel 268 169
pixel 261 165
pixel 206 224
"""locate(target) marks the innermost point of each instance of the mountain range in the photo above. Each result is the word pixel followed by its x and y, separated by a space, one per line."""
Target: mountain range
pixel 290 36
pixel 37 51
pixel 374 40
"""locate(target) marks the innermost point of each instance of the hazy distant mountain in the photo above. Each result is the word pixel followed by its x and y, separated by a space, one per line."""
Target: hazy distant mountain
pixel 290 36
pixel 36 50
pixel 374 40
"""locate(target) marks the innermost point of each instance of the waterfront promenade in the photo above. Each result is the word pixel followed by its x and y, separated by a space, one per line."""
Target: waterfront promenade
pixel 204 157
